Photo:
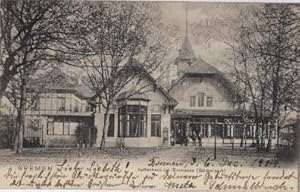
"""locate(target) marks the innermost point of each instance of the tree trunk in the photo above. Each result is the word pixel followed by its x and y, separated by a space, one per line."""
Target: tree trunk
pixel 21 119
pixel 105 128
pixel 242 136
pixel 262 141
pixel 4 80
pixel 257 136
pixel 20 132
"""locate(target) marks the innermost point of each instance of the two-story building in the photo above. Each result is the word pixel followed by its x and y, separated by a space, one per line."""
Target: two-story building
pixel 200 102
pixel 208 106
pixel 56 117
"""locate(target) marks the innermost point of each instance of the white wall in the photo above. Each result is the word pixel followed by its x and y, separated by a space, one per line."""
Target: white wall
pixel 210 87
pixel 155 106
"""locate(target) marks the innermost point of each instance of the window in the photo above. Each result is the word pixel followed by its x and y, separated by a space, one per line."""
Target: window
pixel 192 101
pixel 62 126
pixel 156 125
pixel 204 129
pixel 61 103
pixel 76 108
pixel 209 101
pixel 111 126
pixel 133 120
pixel 50 128
pixel 200 99
pixel 58 127
pixel 72 127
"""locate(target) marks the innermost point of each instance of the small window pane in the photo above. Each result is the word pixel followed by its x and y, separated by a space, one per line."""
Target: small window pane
pixel 192 101
pixel 50 128
pixel 61 102
pixel 133 121
pixel 58 128
pixel 156 125
pixel 209 101
pixel 200 99
pixel 72 127
pixel 66 127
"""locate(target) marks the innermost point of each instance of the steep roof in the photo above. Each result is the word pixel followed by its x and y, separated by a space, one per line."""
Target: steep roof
pixel 134 96
pixel 134 65
pixel 191 63
pixel 186 51
pixel 199 66
pixel 60 82
pixel 170 100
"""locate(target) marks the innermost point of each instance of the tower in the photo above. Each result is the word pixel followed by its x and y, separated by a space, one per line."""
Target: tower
pixel 186 54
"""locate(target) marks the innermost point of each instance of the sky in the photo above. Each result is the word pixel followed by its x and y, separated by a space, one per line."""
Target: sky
pixel 207 24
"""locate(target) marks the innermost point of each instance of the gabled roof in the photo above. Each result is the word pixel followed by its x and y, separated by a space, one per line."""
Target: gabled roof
pixel 61 82
pixel 172 101
pixel 134 65
pixel 217 75
pixel 134 96
pixel 197 67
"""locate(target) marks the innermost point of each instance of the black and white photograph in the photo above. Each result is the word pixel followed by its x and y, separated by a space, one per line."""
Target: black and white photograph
pixel 144 95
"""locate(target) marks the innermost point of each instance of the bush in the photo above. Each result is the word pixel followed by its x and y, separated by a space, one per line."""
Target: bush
pixel 6 131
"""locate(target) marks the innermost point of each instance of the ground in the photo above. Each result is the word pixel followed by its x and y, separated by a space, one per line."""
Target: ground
pixel 224 155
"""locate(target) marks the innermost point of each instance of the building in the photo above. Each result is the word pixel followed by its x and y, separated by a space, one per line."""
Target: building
pixel 69 114
pixel 208 107
pixel 200 104
pixel 55 116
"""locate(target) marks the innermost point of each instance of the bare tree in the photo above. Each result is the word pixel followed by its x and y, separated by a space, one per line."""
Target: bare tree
pixel 268 54
pixel 124 50
pixel 23 93
pixel 32 31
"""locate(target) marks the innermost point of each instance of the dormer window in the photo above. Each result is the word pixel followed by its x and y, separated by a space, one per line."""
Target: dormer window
pixel 200 99
pixel 192 101
pixel 209 101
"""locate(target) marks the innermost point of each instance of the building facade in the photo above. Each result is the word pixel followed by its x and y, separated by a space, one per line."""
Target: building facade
pixel 66 117
pixel 199 106
pixel 208 110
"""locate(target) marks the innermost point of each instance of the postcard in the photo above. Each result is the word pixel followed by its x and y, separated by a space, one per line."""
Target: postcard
pixel 175 96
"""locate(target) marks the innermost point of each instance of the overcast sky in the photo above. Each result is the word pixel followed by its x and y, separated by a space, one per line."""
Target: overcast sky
pixel 212 21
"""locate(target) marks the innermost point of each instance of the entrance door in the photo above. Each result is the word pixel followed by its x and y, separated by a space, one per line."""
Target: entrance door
pixel 179 132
